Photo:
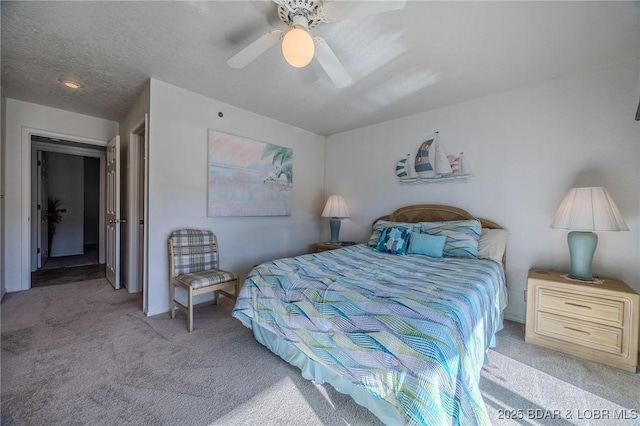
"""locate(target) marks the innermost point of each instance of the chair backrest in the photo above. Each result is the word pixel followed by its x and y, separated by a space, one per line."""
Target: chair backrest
pixel 192 250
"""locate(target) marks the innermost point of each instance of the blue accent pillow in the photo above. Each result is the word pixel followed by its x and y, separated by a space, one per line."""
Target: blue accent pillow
pixel 462 236
pixel 427 245
pixel 394 240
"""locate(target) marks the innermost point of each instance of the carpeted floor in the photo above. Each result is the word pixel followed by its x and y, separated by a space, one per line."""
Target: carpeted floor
pixel 84 353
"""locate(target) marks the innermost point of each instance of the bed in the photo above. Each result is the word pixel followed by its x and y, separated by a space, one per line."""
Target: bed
pixel 405 335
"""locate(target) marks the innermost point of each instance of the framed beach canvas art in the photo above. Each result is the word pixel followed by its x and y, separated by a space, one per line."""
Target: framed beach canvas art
pixel 248 177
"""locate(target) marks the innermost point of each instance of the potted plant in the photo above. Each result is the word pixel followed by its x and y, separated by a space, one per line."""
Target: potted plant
pixel 54 213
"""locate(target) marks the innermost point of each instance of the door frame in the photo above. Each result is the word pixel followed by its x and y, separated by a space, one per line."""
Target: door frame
pixel 26 183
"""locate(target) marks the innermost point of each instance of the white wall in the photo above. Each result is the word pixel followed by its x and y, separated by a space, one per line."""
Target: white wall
pixel 66 183
pixel 91 200
pixel 23 118
pixel 526 148
pixel 179 121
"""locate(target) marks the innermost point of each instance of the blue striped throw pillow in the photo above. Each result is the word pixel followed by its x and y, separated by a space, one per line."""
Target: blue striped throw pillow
pixel 381 225
pixel 462 236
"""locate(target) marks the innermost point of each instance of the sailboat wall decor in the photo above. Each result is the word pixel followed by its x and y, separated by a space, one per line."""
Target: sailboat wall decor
pixel 432 164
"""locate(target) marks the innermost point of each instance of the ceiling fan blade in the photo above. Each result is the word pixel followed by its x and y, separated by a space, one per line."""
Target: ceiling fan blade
pixel 331 64
pixel 255 49
pixel 337 10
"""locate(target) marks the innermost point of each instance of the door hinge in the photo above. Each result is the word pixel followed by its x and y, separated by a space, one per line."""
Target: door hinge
pixel 38 250
pixel 525 295
pixel 38 206
pixel 39 163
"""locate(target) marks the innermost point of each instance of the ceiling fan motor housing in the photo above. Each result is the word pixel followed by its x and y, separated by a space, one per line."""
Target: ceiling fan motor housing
pixel 289 10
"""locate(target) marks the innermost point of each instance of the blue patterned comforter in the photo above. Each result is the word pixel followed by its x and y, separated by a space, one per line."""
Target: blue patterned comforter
pixel 410 330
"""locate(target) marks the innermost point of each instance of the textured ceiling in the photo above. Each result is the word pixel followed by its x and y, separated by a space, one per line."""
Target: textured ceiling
pixel 425 56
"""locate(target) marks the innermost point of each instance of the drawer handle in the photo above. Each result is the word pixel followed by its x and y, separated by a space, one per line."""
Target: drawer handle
pixel 579 331
pixel 579 306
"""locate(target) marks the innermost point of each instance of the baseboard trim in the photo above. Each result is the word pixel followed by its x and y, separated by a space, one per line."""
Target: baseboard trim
pixel 157 312
pixel 514 319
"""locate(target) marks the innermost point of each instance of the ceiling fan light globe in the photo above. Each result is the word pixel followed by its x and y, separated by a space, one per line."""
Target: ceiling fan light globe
pixel 297 47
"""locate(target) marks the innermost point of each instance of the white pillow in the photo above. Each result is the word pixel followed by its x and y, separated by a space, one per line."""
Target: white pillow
pixel 492 244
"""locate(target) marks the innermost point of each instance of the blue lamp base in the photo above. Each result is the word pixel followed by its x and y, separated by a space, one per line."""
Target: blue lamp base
pixel 582 246
pixel 334 223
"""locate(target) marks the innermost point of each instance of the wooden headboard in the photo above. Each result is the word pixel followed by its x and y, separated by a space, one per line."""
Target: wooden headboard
pixel 436 213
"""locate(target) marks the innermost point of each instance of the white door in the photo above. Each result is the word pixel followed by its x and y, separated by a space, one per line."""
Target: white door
pixel 43 209
pixel 113 212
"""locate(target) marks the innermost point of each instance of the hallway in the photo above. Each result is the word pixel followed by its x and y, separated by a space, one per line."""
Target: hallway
pixel 90 257
pixel 69 269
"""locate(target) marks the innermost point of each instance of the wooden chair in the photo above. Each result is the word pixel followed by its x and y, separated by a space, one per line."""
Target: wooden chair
pixel 193 263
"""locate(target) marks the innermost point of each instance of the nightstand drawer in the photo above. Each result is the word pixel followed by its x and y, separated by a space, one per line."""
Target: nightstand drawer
pixel 586 334
pixel 601 310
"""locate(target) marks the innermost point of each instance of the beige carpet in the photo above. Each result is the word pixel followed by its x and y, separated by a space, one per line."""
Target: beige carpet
pixel 84 353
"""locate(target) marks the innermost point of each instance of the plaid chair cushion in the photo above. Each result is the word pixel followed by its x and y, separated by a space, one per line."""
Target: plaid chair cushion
pixel 194 250
pixel 206 278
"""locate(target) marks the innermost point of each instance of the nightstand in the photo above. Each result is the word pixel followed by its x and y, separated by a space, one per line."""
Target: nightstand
pixel 328 246
pixel 596 321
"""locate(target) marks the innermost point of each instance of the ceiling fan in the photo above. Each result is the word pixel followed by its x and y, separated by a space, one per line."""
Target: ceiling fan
pixel 298 47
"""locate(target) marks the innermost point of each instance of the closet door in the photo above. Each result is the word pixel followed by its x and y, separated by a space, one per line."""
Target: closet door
pixel 113 212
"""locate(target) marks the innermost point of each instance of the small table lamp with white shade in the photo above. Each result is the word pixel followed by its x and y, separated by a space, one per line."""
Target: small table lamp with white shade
pixel 582 211
pixel 336 209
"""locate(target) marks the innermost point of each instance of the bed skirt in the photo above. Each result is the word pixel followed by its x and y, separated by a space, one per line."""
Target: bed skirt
pixel 320 374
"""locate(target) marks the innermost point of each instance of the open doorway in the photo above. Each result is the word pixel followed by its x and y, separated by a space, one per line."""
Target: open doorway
pixel 66 206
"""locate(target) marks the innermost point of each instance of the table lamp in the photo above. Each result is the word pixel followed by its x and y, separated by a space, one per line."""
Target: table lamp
pixel 336 209
pixel 582 211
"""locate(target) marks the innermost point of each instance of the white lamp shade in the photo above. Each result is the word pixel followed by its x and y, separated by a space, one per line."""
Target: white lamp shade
pixel 297 47
pixel 588 209
pixel 335 207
